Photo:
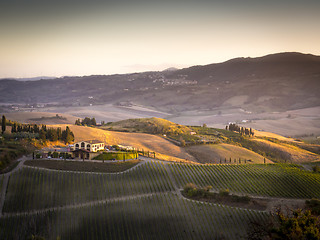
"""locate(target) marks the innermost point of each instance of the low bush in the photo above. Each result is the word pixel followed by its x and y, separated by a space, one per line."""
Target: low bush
pixel 316 169
pixel 224 192
pixel 314 206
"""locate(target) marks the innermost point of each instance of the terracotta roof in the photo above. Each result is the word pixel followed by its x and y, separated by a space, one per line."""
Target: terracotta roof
pixel 91 141
pixel 94 141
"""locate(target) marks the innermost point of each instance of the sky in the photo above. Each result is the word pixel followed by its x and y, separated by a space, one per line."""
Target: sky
pixel 89 37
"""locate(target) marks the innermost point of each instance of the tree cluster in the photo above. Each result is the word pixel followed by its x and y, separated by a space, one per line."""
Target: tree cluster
pixel 45 133
pixel 86 122
pixel 31 128
pixel 57 134
pixel 298 225
pixel 243 131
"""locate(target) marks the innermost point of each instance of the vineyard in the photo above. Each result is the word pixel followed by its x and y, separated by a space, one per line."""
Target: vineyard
pixel 161 216
pixel 275 180
pixel 144 202
pixel 31 189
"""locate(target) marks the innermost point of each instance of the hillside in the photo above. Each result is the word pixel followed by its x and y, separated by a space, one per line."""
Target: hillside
pixel 148 125
pixel 204 144
pixel 41 117
pixel 164 149
pixel 215 153
pixel 277 82
pixel 287 152
pixel 173 131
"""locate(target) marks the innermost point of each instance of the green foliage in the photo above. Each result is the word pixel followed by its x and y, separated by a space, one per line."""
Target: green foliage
pixel 314 206
pixel 316 169
pixel 116 156
pixel 11 150
pixel 301 225
pixel 243 131
pixel 3 124
pixel 67 135
pixel 154 126
pixel 86 122
pixel 224 192
pixel 55 154
pixel 191 190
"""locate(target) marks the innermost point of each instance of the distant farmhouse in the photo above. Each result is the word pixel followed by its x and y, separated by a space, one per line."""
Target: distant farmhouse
pixel 86 149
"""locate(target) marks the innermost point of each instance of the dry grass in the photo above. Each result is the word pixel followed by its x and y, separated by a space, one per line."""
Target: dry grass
pixel 25 117
pixel 272 135
pixel 164 149
pixel 288 152
pixel 213 153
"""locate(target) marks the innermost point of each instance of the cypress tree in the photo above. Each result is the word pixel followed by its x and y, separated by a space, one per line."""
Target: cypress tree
pixel 42 135
pixel 93 122
pixel 14 128
pixel 3 124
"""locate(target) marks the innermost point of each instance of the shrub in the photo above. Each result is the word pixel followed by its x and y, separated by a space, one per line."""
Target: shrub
pixel 55 154
pixel 224 192
pixel 316 169
pixel 191 190
pixel 314 206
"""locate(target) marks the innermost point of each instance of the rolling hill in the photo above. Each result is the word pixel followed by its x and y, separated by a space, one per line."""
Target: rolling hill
pixel 215 153
pixel 276 82
pixel 164 149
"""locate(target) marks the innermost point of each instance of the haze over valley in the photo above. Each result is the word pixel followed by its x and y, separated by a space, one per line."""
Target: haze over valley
pixel 172 119
pixel 277 93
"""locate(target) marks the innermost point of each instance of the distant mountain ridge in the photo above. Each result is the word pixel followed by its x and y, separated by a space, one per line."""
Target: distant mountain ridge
pixel 29 79
pixel 275 82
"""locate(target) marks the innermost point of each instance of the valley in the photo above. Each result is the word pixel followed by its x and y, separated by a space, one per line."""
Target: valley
pixel 221 148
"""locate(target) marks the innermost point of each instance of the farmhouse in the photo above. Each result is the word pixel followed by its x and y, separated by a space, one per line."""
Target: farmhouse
pixel 87 149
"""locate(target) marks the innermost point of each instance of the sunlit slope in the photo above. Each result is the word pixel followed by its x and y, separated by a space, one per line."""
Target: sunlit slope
pixel 287 152
pixel 164 149
pixel 213 154
pixel 149 125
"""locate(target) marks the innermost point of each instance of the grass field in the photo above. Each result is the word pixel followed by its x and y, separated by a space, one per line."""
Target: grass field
pixel 110 167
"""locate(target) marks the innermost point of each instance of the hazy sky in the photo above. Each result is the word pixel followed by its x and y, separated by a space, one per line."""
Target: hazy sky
pixel 85 37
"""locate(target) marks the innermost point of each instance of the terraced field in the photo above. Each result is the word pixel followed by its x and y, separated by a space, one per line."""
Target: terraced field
pixel 144 202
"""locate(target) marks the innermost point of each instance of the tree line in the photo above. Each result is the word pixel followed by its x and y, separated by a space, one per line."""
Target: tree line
pixel 243 131
pixel 86 122
pixel 42 131
pixel 56 134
